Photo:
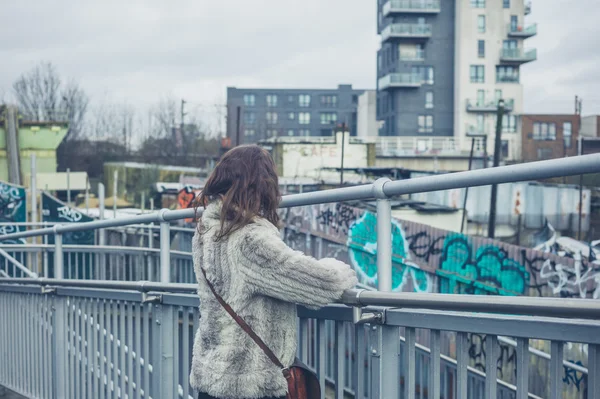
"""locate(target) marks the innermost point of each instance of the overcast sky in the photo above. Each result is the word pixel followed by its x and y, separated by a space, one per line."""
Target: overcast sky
pixel 139 51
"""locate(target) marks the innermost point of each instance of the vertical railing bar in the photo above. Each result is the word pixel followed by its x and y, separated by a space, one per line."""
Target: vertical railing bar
pixel 108 309
pixel 77 318
pixel 340 357
pixel 122 340
pixel 321 333
pixel 30 334
pixel 462 361
pixel 359 367
pixel 90 330
pixel 434 371
pixel 522 368
pixel 304 339
pixel 71 344
pixel 172 324
pixel 113 337
pixel 409 370
pixel 556 370
pixel 130 338
pixel 491 357
pixel 60 348
pixel 138 349
pixel 35 308
pixel 185 352
pixel 593 383
pixel 45 347
pixel 146 334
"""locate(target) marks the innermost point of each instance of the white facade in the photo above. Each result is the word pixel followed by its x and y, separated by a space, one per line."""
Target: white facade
pixel 480 118
pixel 589 126
pixel 367 114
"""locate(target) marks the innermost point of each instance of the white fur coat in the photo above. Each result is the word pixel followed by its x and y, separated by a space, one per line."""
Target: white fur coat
pixel 262 279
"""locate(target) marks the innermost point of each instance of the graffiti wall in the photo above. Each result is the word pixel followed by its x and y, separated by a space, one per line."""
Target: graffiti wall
pixel 56 211
pixel 13 209
pixel 427 259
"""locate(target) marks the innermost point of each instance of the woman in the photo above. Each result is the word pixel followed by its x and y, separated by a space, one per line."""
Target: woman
pixel 239 247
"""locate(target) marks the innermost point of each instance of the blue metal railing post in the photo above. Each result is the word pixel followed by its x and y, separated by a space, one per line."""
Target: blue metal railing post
pixel 59 372
pixel 389 335
pixel 58 254
pixel 165 248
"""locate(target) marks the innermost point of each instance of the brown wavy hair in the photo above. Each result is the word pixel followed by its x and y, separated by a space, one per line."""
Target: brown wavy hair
pixel 246 181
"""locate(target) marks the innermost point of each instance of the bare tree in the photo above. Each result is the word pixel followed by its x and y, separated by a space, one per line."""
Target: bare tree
pixel 42 96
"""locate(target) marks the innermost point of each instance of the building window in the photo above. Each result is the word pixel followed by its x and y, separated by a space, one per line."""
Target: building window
pixel 329 101
pixel 544 131
pixel 304 118
pixel 478 3
pixel 249 100
pixel 567 133
pixel 507 74
pixel 290 99
pixel 425 72
pixel 425 123
pixel 272 133
pixel 271 118
pixel 304 100
pixel 291 116
pixel 328 118
pixel 544 153
pixel 429 99
pixel 506 3
pixel 271 100
pixel 481 23
pixel 497 95
pixel 505 149
pixel 514 23
pixel 304 132
pixel 477 74
pixel 249 132
pixel 481 48
pixel 290 132
pixel 509 123
pixel 326 132
pixel 354 99
pixel 411 52
pixel 249 117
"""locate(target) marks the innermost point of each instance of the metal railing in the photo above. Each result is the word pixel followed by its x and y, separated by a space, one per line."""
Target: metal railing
pixel 73 339
pixel 406 31
pixel 489 106
pixel 421 146
pixel 519 31
pixel 392 80
pixel 411 6
pixel 518 55
pixel 65 309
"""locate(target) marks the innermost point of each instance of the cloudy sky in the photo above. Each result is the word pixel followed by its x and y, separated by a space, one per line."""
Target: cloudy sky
pixel 139 51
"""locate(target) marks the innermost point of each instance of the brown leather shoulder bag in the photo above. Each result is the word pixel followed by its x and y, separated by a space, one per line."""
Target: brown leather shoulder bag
pixel 302 382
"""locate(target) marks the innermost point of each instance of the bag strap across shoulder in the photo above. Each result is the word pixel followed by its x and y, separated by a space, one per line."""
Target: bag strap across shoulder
pixel 244 325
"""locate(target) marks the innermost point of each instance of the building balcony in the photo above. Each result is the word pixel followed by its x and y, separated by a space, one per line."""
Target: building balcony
pixel 522 32
pixel 399 80
pixel 406 31
pixel 489 106
pixel 418 55
pixel 393 7
pixel 476 131
pixel 419 146
pixel 518 55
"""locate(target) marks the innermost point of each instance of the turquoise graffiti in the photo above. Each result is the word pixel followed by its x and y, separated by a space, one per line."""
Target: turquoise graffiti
pixel 362 248
pixel 13 209
pixel 488 270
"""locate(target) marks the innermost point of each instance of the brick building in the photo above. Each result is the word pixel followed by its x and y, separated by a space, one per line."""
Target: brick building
pixel 549 136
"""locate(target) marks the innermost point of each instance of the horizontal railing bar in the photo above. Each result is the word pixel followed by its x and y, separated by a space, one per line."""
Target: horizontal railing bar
pixel 91 249
pixel 545 328
pixel 141 286
pixel 527 306
pixel 576 165
pixel 522 305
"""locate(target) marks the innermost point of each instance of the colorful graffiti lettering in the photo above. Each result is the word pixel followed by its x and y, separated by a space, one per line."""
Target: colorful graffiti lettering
pixel 489 271
pixel 362 245
pixel 12 203
pixel 339 219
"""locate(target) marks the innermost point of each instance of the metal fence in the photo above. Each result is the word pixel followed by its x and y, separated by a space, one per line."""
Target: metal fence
pixel 74 339
pixel 91 338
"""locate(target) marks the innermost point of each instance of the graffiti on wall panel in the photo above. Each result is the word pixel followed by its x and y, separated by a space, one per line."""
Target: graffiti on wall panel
pixel 13 209
pixel 362 245
pixel 486 270
pixel 450 262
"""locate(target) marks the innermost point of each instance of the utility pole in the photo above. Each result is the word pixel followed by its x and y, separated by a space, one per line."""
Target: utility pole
pixel 181 131
pixel 237 126
pixel 497 149
pixel 343 128
pixel 464 216
pixel 580 139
